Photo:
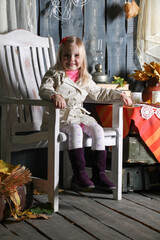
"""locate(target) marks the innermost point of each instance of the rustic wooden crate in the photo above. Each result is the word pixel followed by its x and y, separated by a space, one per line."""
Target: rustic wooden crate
pixel 134 178
pixel 136 151
pixel 141 177
pixel 141 170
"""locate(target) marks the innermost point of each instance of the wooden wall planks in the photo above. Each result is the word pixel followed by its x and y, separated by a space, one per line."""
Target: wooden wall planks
pixel 102 19
pixel 48 25
pixel 94 29
pixel 116 38
pixel 75 24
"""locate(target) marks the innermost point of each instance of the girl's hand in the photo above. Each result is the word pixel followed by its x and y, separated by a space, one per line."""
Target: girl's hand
pixel 59 101
pixel 126 100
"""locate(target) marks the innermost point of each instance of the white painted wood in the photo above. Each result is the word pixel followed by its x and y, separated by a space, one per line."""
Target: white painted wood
pixel 41 62
pixel 117 151
pixel 25 39
pixel 21 52
pixel 36 66
pixel 53 153
pixel 52 51
pixel 24 58
pixel 22 93
pixel 30 82
pixel 4 72
pixel 46 54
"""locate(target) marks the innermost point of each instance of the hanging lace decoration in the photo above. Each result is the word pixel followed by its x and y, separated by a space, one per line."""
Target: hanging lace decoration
pixel 157 112
pixel 147 112
pixel 63 13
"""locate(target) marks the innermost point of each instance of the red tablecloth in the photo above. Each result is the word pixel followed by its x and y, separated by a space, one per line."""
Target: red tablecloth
pixel 149 130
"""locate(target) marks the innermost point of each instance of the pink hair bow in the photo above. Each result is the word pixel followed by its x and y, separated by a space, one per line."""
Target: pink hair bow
pixel 63 40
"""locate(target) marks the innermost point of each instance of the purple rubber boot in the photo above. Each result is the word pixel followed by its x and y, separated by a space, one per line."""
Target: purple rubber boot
pixel 99 177
pixel 81 180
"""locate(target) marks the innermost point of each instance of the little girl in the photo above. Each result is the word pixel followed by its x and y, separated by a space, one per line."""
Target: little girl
pixel 67 84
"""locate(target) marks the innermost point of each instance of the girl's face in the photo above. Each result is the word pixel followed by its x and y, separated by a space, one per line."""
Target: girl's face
pixel 70 57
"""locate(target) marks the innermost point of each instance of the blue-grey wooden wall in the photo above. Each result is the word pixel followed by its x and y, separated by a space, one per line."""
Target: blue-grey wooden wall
pixel 98 19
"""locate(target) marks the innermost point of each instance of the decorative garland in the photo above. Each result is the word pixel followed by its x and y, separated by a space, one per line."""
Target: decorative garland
pixel 63 13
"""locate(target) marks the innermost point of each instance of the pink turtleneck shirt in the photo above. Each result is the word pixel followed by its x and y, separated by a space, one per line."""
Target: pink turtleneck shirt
pixel 73 75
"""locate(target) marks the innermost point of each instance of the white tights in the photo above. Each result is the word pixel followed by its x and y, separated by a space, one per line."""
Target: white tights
pixel 75 135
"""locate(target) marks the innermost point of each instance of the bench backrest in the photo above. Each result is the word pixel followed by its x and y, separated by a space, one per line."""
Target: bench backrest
pixel 24 59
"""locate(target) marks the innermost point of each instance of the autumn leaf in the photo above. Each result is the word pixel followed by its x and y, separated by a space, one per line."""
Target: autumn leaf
pixel 149 101
pixel 120 81
pixel 157 67
pixel 5 167
pixel 150 73
pixel 15 199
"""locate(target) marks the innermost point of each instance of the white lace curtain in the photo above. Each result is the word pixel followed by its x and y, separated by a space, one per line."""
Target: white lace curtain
pixel 18 14
pixel 148 31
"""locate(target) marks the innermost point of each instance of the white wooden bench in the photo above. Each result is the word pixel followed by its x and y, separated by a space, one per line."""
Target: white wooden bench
pixel 24 59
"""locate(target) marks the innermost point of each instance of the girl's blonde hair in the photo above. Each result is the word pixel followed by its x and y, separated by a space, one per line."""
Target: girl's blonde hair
pixel 74 40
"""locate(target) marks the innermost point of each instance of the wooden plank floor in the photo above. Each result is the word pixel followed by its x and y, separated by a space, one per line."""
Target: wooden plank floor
pixel 92 216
